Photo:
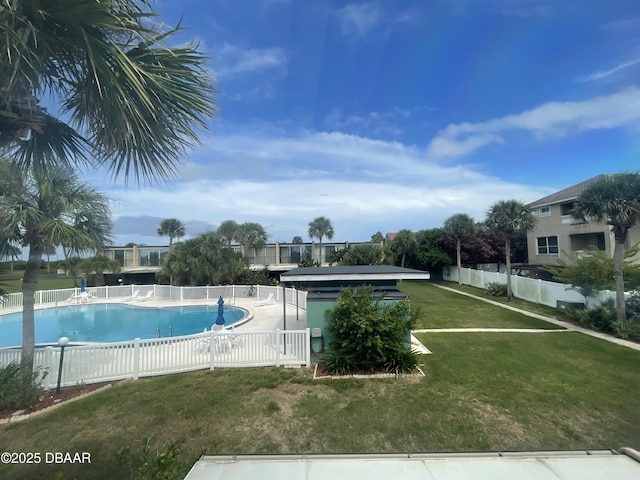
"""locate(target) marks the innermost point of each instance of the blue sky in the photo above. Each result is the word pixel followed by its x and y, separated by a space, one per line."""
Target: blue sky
pixel 384 115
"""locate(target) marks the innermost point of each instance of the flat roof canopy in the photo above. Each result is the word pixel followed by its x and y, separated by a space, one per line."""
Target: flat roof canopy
pixel 353 273
pixel 567 465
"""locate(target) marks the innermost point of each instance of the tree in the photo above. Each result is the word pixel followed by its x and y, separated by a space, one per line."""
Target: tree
pixel 96 266
pixel 366 254
pixel 228 229
pixel 509 217
pixel 403 244
pixel 461 227
pixel 172 228
pixel 431 254
pixel 126 98
pixel 377 237
pixel 44 209
pixel 319 228
pixel 11 252
pixel 615 199
pixel 252 235
pixel 297 239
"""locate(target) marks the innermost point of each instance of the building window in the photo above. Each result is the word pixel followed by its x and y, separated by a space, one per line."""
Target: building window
pixel 548 245
pixel 545 212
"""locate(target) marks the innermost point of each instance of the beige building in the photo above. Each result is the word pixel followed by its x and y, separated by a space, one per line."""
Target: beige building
pixel 558 234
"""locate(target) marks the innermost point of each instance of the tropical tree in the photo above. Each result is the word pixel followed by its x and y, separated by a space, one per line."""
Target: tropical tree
pixel 252 235
pixel 228 229
pixel 431 254
pixel 460 226
pixel 615 199
pixel 320 227
pixel 297 239
pixel 377 237
pixel 96 266
pixel 172 228
pixel 126 98
pixel 404 244
pixel 11 252
pixel 72 266
pixel 44 209
pixel 508 217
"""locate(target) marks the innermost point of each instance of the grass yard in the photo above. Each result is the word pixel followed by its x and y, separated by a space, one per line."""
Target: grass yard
pixel 11 282
pixel 443 309
pixel 483 391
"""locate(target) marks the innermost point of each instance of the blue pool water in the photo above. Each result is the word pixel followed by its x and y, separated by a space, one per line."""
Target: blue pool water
pixel 113 322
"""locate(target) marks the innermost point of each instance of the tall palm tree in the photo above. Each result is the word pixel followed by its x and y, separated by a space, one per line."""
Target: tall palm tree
pixel 319 228
pixel 172 228
pixel 460 226
pixel 228 229
pixel 126 99
pixel 508 217
pixel 614 199
pixel 404 244
pixel 97 265
pixel 252 235
pixel 49 209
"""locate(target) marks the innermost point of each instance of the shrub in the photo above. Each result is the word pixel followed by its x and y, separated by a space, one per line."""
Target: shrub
pixel 153 464
pixel 368 335
pixel 405 362
pixel 496 289
pixel 601 318
pixel 629 330
pixel 19 388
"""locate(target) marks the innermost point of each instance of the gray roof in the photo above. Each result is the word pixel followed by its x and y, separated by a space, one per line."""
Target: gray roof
pixel 569 193
pixel 353 272
pixel 576 465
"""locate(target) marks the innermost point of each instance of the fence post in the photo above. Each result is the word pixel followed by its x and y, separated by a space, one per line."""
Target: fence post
pixel 181 293
pixel 307 352
pixel 39 296
pixel 211 349
pixel 277 334
pixel 48 365
pixel 136 358
pixel 515 286
pixel 539 290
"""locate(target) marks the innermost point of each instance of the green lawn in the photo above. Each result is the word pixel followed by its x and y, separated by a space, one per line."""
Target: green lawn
pixel 442 309
pixel 11 282
pixel 482 391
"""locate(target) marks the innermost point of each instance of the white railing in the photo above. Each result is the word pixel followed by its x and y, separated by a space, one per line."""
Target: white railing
pixel 14 300
pixel 144 358
pixel 530 289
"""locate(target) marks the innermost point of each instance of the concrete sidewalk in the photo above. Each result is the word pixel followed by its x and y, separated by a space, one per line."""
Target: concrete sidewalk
pixel 560 323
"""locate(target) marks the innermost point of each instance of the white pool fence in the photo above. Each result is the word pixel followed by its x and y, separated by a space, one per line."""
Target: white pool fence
pixel 94 363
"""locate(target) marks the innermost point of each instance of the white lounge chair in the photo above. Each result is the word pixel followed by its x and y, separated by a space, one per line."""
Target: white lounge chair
pixel 267 301
pixel 135 295
pixel 82 297
pixel 148 296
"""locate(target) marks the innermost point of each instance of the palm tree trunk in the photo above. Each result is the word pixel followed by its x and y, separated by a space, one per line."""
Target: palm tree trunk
pixel 507 250
pixel 404 256
pixel 29 284
pixel 320 241
pixel 618 265
pixel 459 261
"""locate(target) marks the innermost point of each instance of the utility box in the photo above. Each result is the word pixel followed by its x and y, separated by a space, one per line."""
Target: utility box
pixel 565 306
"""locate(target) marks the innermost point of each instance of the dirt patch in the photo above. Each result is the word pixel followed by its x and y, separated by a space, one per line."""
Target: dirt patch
pixel 50 398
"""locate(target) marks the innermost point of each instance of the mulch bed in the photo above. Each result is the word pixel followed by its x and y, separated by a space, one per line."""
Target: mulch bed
pixel 320 372
pixel 50 397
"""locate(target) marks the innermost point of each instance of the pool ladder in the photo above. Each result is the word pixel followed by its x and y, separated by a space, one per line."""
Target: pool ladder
pixel 158 334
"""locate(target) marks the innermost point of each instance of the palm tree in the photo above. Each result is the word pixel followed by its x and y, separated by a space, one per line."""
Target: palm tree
pixel 297 239
pixel 403 244
pixel 508 217
pixel 252 235
pixel 126 99
pixel 49 209
pixel 97 265
pixel 319 228
pixel 460 226
pixel 172 228
pixel 614 199
pixel 228 229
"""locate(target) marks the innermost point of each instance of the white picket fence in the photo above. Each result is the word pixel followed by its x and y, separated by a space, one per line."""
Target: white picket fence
pixel 144 358
pixel 531 289
pixel 293 296
pixel 137 358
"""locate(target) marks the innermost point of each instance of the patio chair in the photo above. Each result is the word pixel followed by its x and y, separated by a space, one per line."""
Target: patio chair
pixel 148 296
pixel 267 301
pixel 135 296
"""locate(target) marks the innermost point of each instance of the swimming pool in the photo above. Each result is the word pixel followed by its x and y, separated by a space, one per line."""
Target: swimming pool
pixel 115 322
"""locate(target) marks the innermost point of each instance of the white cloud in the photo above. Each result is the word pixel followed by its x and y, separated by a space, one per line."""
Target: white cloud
pixel 551 119
pixel 357 20
pixel 374 123
pixel 231 60
pixel 601 75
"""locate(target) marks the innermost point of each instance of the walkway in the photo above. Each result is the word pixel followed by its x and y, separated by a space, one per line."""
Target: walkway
pixel 568 326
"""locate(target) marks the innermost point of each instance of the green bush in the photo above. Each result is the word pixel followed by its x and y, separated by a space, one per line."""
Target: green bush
pixel 601 318
pixel 153 464
pixel 367 334
pixel 629 330
pixel 496 289
pixel 19 388
pixel 405 362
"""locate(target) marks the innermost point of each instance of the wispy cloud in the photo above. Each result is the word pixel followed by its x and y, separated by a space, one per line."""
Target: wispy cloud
pixel 357 20
pixel 232 60
pixel 551 119
pixel 375 123
pixel 604 74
